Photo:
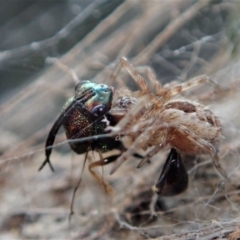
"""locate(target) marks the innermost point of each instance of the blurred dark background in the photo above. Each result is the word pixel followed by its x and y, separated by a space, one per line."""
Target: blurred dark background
pixel 33 30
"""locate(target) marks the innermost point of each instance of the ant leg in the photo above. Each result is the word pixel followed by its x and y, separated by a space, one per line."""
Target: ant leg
pixel 76 188
pixel 124 63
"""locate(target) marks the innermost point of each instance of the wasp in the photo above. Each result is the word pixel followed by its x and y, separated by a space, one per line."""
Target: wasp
pixel 86 114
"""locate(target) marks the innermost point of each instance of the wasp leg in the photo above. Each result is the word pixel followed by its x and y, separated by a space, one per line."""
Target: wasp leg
pixel 58 123
pixel 106 161
pixel 173 179
pixel 77 186
pixel 103 162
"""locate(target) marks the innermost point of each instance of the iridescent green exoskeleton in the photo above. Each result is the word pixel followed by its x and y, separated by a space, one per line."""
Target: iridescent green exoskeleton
pixel 85 115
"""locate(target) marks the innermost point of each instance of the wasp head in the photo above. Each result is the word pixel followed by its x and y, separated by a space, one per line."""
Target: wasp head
pixel 101 101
